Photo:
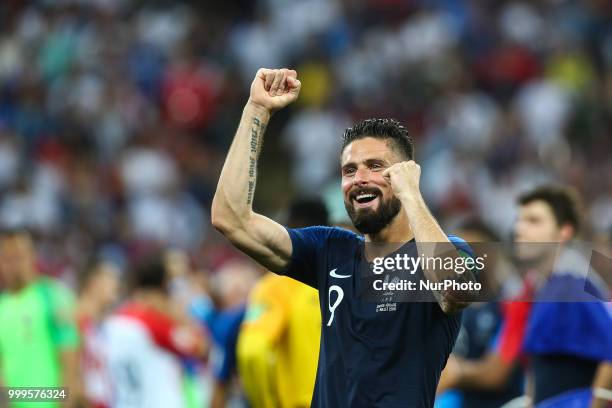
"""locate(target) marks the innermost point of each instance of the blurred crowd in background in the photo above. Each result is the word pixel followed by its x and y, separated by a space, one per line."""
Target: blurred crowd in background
pixel 116 115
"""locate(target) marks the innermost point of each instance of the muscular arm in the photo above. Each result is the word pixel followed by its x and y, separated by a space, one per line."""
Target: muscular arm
pixel 431 241
pixel 232 211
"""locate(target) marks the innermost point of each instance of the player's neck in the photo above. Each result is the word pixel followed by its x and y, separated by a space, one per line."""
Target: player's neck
pixel 546 264
pixel 22 283
pixel 397 231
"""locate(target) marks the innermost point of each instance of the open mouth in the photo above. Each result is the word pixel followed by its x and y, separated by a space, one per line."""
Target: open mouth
pixel 363 199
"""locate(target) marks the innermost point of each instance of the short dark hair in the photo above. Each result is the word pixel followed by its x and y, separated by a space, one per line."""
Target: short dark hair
pixel 306 212
pixel 92 268
pixel 149 272
pixel 389 129
pixel 563 201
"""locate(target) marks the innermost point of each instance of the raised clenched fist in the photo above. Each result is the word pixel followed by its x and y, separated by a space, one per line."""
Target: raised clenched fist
pixel 404 177
pixel 273 89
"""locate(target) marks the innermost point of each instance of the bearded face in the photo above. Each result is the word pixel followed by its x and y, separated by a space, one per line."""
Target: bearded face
pixel 367 216
pixel 368 197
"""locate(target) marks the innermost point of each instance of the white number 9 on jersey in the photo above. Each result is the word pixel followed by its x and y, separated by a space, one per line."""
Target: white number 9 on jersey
pixel 332 307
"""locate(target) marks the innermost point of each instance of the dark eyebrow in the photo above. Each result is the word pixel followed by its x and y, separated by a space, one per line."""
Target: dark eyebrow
pixel 376 161
pixel 348 165
pixel 367 162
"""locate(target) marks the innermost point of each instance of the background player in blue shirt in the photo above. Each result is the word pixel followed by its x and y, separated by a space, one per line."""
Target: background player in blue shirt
pixel 372 355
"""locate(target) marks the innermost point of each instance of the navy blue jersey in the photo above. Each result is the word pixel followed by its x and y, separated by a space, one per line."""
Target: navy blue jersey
pixel 370 356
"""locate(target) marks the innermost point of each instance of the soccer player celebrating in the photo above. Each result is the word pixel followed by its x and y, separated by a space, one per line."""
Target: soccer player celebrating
pixel 370 357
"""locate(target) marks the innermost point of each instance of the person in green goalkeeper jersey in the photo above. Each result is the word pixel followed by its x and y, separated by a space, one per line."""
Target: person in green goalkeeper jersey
pixel 38 334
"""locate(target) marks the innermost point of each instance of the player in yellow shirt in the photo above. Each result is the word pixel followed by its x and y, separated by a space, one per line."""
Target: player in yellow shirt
pixel 278 345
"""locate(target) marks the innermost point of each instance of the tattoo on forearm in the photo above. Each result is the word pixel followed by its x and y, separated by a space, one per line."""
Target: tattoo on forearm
pixel 257 131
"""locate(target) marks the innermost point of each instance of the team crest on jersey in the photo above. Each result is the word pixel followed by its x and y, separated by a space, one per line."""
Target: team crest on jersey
pixel 385 302
pixel 386 307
